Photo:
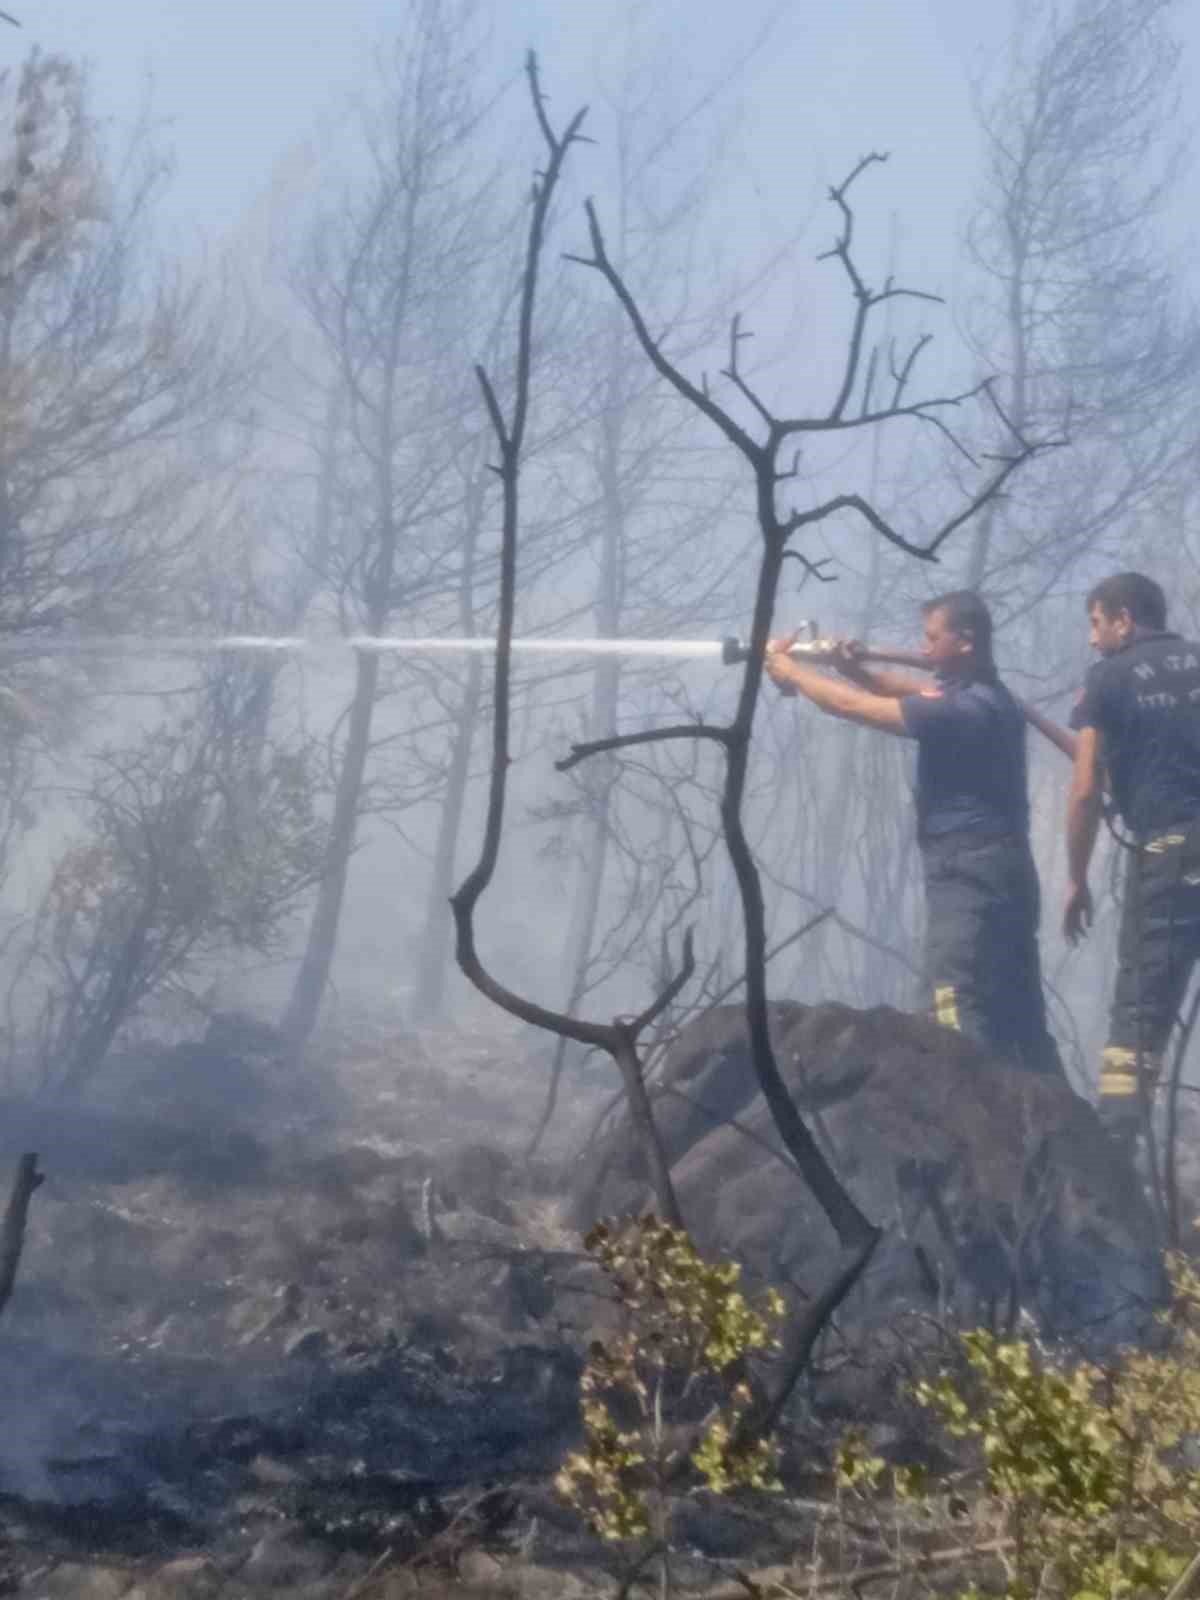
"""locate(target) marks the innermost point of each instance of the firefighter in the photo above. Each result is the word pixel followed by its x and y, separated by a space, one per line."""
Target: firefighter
pixel 1138 722
pixel 981 889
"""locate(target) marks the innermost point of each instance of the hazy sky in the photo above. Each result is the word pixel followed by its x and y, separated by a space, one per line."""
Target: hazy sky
pixel 237 83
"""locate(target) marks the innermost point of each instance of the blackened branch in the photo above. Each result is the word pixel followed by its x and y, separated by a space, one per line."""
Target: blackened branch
pixel 927 551
pixel 556 146
pixel 495 414
pixel 1022 443
pixel 866 300
pixel 621 741
pixel 901 375
pixel 925 411
pixel 12 1230
pixel 791 472
pixel 812 569
pixel 616 1038
pixel 734 374
pixel 699 397
pixel 840 250
pixel 637 1025
pixel 868 391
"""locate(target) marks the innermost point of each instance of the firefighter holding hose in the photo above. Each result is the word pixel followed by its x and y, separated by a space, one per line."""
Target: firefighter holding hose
pixel 1139 723
pixel 981 888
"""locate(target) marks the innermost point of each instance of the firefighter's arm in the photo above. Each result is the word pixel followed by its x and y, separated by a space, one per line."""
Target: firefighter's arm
pixel 838 698
pixel 1083 821
pixel 849 659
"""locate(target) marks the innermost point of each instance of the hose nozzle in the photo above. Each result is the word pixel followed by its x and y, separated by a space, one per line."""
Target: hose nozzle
pixel 811 645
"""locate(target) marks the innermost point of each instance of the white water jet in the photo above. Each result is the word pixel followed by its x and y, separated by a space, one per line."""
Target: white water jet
pixel 378 644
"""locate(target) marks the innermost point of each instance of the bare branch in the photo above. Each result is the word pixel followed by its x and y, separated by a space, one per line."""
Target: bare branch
pixel 621 741
pixel 12 1231
pixel 812 569
pixel 495 415
pixel 733 372
pixel 618 1039
pixel 656 1007
pixel 700 398
pixel 927 551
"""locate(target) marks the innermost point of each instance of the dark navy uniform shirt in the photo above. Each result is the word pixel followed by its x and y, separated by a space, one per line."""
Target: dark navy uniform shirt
pixel 1144 701
pixel 971 774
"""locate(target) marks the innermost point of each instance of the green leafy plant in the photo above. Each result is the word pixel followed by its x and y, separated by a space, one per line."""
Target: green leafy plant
pixel 1091 1471
pixel 685 1328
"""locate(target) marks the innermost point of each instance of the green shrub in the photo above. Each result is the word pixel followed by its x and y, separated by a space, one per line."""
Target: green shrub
pixel 1091 1470
pixel 683 1322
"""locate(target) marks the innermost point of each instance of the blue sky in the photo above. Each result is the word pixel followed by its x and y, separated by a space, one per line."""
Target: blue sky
pixel 236 83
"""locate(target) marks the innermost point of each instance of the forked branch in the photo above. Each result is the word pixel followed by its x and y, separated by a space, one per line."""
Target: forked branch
pixel 619 1038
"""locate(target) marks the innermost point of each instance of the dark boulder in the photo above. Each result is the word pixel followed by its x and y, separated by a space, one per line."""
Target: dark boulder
pixel 996 1187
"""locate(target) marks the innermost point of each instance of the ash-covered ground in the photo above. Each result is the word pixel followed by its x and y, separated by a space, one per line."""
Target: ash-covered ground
pixel 321 1335
pixel 315 1337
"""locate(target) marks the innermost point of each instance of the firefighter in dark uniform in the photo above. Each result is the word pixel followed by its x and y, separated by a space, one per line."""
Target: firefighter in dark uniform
pixel 982 898
pixel 1138 724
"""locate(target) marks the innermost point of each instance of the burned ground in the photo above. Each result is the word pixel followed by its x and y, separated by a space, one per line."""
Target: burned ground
pixel 268 1338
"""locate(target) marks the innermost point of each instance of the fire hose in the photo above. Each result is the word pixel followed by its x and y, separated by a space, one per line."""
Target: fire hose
pixel 823 652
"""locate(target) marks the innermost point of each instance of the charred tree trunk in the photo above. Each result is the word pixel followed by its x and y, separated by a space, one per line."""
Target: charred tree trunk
pixel 12 1230
pixel 437 946
pixel 433 965
pixel 308 989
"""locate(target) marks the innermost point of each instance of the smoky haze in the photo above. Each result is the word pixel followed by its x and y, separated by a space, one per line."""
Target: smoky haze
pixel 319 463
pixel 269 363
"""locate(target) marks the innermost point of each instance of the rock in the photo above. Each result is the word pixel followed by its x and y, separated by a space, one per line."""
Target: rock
pixel 544 1583
pixel 254 1318
pixel 307 1344
pixel 274 1474
pixel 997 1187
pixel 100 1144
pixel 397 1586
pixel 187 1578
pixel 283 1559
pixel 73 1581
pixel 479 1569
pixel 471 1227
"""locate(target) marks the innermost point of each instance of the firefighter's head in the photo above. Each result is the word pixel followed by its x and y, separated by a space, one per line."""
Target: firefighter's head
pixel 958 635
pixel 1122 606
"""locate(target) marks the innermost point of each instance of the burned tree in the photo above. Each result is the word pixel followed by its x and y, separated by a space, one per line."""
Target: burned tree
pixel 384 284
pixel 856 1234
pixel 855 406
pixel 649 482
pixel 201 837
pixel 1080 309
pixel 107 367
pixel 619 1039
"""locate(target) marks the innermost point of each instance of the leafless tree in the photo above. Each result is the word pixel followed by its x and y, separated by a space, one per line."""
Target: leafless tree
pixel 856 405
pixel 760 444
pixel 109 365
pixel 200 836
pixel 649 482
pixel 619 1038
pixel 1081 308
pixel 385 284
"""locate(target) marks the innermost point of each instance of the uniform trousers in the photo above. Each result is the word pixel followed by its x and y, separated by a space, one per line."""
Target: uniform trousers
pixel 1158 946
pixel 983 905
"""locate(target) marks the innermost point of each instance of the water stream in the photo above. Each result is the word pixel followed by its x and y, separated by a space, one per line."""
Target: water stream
pixel 380 644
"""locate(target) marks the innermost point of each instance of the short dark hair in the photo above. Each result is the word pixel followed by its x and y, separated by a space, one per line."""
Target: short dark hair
pixel 1133 592
pixel 967 615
